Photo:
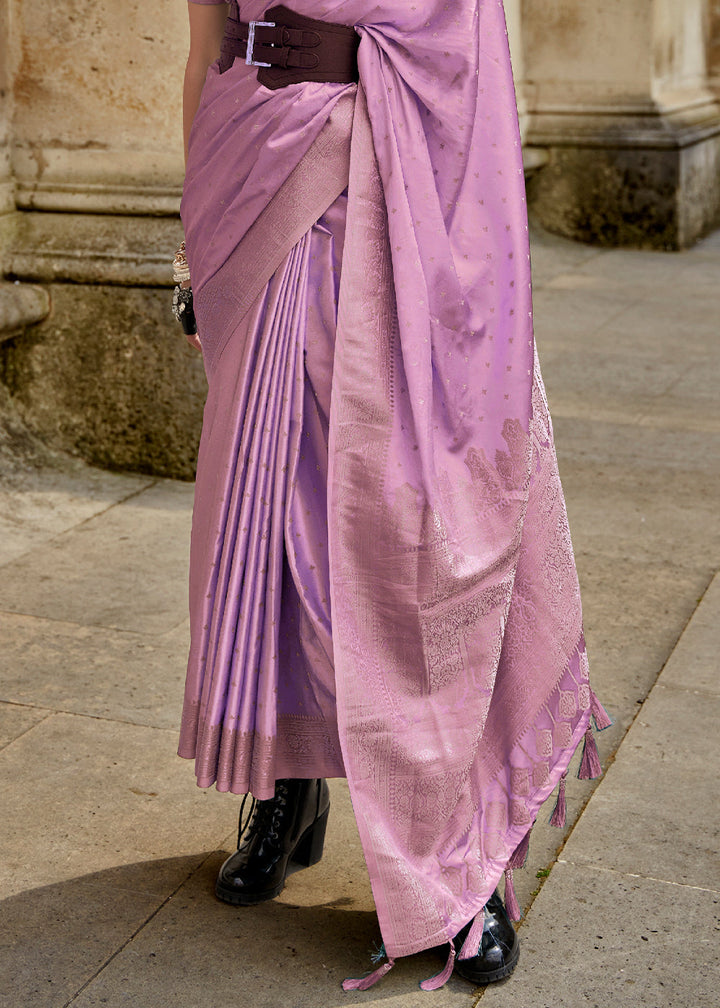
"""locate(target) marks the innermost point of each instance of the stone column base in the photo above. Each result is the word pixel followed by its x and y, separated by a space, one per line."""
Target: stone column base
pixel 107 375
pixel 648 181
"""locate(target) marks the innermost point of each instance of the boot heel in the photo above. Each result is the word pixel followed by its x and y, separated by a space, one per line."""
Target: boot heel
pixel 310 846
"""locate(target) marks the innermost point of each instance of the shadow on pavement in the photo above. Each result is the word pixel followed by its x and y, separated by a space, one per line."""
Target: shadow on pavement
pixel 109 938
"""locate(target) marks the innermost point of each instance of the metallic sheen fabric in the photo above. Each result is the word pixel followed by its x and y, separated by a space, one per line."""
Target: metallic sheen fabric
pixel 382 578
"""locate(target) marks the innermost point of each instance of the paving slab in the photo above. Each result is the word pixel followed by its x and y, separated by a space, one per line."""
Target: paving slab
pixel 698 384
pixel 663 785
pixel 116 674
pixel 56 938
pixel 547 842
pixel 87 794
pixel 682 411
pixel 699 274
pixel 201 953
pixel 678 327
pixel 322 928
pixel 694 663
pixel 552 256
pixel 37 505
pixel 125 569
pixel 640 520
pixel 634 614
pixel 598 939
pixel 16 719
pixel 622 386
pixel 574 316
pixel 646 275
pixel 682 453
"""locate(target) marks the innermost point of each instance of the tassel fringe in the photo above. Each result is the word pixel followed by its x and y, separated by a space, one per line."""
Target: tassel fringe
pixel 438 981
pixel 474 937
pixel 520 854
pixel 366 982
pixel 511 903
pixel 590 766
pixel 559 816
pixel 600 715
pixel 378 955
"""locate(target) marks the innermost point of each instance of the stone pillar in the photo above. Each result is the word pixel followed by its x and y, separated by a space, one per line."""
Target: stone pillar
pixel 533 157
pixel 7 199
pixel 619 97
pixel 713 47
pixel 20 304
pixel 513 17
pixel 90 131
pixel 97 105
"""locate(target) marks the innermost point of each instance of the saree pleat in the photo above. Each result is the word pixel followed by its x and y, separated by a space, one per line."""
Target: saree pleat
pixel 247 574
pixel 257 558
pixel 250 444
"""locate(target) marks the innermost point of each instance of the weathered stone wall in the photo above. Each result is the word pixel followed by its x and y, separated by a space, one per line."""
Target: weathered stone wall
pixel 617 102
pixel 713 46
pixel 100 377
pixel 90 129
pixel 7 199
pixel 618 95
pixel 98 104
pixel 106 374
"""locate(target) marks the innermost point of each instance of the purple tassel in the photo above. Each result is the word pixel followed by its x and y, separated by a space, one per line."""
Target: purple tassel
pixel 520 854
pixel 511 903
pixel 601 716
pixel 590 767
pixel 366 982
pixel 474 937
pixel 438 981
pixel 559 816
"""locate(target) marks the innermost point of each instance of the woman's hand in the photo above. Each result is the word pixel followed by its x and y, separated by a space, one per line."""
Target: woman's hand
pixel 194 341
pixel 192 338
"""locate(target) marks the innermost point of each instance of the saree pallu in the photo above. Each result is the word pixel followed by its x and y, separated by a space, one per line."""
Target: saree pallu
pixel 382 578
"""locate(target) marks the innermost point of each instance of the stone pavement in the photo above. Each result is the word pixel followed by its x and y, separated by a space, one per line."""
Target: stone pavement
pixel 109 850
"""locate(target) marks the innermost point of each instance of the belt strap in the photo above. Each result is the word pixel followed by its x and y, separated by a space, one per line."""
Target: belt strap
pixel 289 48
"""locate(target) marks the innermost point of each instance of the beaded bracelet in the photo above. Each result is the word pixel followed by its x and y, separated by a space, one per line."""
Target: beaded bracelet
pixel 182 302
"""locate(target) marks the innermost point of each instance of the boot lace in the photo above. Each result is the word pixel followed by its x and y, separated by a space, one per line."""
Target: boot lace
pixel 263 816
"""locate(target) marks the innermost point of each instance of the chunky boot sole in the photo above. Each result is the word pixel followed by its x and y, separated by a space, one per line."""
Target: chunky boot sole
pixel 482 978
pixel 307 852
pixel 229 895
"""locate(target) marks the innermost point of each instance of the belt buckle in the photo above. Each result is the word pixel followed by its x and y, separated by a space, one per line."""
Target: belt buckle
pixel 249 57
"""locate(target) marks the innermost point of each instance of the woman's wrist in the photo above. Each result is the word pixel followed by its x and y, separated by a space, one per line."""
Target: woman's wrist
pixel 182 302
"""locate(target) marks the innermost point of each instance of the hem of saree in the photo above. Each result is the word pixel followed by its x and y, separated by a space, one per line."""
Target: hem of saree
pixel 496 792
pixel 283 772
pixel 293 757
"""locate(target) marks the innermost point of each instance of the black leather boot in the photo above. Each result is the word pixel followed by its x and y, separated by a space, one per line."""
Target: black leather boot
pixel 499 949
pixel 285 833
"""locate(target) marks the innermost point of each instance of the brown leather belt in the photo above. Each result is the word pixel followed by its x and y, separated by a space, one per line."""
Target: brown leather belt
pixel 288 48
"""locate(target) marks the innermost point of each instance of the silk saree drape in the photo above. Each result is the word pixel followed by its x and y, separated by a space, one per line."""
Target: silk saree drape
pixel 393 533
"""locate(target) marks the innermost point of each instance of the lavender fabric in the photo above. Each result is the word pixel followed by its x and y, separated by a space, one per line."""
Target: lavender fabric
pixel 382 578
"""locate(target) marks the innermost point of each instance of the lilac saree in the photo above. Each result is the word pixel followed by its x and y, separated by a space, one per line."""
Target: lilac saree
pixel 382 579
